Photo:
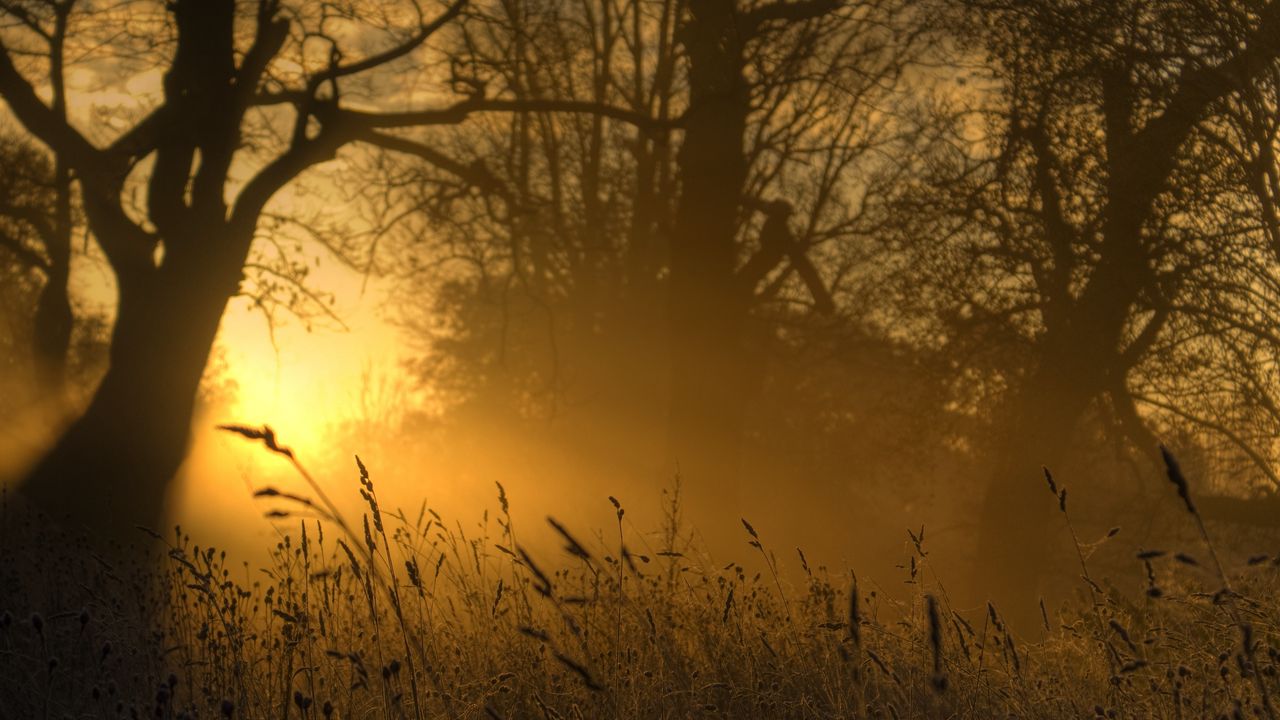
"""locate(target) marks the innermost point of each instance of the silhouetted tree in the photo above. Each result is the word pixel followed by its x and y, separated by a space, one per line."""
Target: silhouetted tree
pixel 629 264
pixel 36 215
pixel 24 193
pixel 44 26
pixel 711 298
pixel 253 95
pixel 1086 228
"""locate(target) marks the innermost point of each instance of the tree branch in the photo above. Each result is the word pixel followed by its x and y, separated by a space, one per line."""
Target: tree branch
pixel 474 174
pixel 822 300
pixel 1253 455
pixel 1199 87
pixel 139 141
pixel 461 110
pixel 791 12
pixel 302 154
pixel 1137 349
pixel 1057 230
pixel 46 124
pixel 391 54
pixel 270 37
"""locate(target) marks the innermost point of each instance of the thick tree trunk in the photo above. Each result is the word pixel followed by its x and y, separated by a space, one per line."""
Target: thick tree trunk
pixel 109 471
pixel 1018 526
pixel 1078 358
pixel 710 388
pixel 1080 355
pixel 709 385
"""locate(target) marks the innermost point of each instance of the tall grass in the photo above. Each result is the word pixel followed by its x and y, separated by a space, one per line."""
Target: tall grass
pixel 412 615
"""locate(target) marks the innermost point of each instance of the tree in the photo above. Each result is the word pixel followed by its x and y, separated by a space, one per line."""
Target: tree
pixel 24 189
pixel 711 295
pixel 253 96
pixel 36 211
pixel 634 266
pixel 42 26
pixel 1094 229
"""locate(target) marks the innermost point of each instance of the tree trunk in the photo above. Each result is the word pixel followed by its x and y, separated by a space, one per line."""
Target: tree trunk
pixel 707 312
pixel 1078 358
pixel 110 470
pixel 54 320
pixel 710 388
pixel 51 335
pixel 1017 521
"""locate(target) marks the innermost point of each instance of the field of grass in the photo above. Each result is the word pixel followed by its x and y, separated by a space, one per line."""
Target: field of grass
pixel 412 616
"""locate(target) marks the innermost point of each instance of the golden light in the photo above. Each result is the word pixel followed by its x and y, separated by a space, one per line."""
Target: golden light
pixel 300 382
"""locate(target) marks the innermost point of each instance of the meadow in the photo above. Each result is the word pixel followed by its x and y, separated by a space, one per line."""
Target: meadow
pixel 413 615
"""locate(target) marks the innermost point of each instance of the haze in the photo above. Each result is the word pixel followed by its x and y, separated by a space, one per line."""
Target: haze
pixel 843 270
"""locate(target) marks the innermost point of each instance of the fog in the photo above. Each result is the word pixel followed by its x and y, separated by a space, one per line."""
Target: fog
pixel 887 287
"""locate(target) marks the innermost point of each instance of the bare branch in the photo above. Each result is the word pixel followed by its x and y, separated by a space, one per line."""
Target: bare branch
pixel 461 110
pixel 1256 457
pixel 271 36
pixel 395 53
pixel 300 156
pixel 791 12
pixel 474 174
pixel 46 124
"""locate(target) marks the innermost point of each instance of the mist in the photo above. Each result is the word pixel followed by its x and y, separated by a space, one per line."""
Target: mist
pixel 851 328
pixel 961 310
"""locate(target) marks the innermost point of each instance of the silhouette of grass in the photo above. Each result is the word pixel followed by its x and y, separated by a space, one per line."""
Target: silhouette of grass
pixel 393 616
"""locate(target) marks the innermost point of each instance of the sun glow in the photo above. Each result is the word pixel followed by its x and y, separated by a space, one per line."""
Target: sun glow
pixel 300 382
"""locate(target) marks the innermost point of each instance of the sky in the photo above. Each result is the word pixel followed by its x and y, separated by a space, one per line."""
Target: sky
pixel 301 381
pixel 299 377
pixel 299 386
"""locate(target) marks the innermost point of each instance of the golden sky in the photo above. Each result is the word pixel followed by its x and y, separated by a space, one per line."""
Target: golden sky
pixel 301 386
pixel 297 379
pixel 300 381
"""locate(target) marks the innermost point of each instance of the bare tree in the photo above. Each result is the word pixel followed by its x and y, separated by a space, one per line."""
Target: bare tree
pixel 41 28
pixel 23 260
pixel 644 256
pixel 1089 227
pixel 254 95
